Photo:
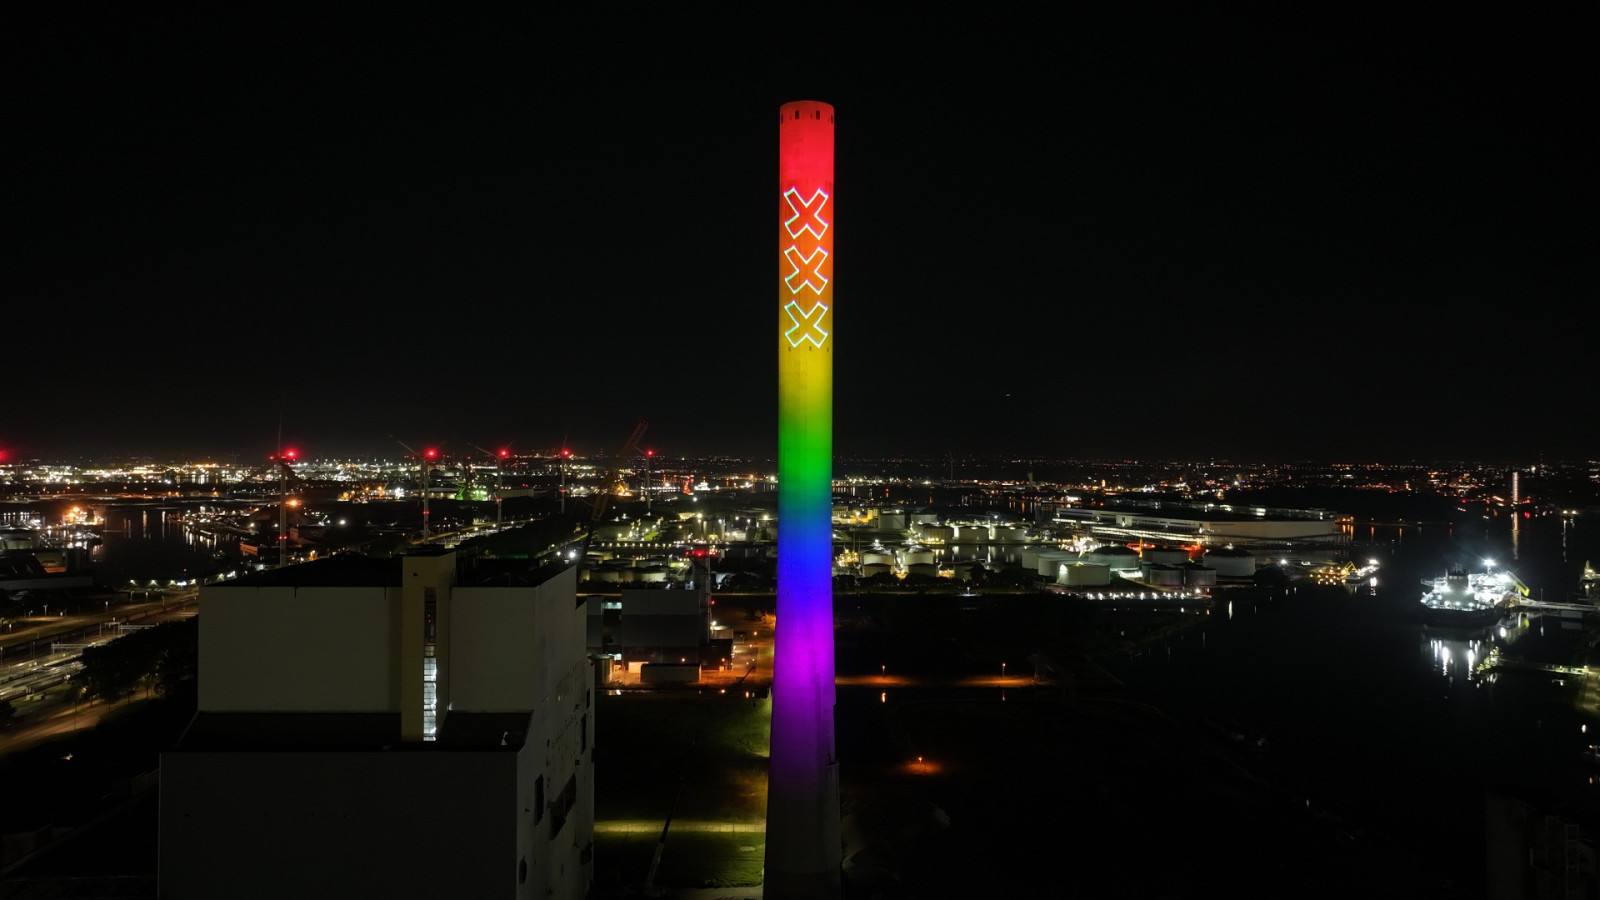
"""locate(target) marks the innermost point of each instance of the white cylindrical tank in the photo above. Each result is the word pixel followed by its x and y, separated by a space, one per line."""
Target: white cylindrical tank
pixel 1051 561
pixel 877 558
pixel 1196 575
pixel 895 521
pixel 1029 556
pixel 870 569
pixel 918 556
pixel 18 539
pixel 1115 555
pixel 1171 556
pixel 1085 575
pixel 974 534
pixel 942 533
pixel 1162 575
pixel 928 569
pixel 1009 534
pixel 1230 563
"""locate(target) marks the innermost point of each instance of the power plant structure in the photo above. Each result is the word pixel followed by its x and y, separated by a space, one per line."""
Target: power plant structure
pixel 803 856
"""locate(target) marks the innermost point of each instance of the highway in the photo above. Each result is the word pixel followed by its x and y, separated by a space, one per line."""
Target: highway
pixel 38 654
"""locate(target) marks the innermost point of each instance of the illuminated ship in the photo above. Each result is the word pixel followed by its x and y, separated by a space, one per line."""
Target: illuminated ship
pixel 1463 600
pixel 1345 573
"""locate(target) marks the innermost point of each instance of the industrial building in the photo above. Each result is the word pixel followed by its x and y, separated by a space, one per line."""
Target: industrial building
pixel 1207 525
pixel 413 726
pixel 654 635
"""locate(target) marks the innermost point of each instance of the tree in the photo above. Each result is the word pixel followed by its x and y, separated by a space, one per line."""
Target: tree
pixel 166 652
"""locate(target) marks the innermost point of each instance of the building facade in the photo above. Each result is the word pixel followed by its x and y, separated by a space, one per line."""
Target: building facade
pixel 411 726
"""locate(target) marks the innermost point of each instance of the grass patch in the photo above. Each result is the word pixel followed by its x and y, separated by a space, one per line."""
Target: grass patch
pixel 689 859
pixel 706 753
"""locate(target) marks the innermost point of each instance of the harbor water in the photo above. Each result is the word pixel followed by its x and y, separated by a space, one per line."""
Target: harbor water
pixel 1385 722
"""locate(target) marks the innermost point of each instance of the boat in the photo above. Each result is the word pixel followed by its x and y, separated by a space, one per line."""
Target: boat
pixel 1363 574
pixel 1460 599
pixel 1346 572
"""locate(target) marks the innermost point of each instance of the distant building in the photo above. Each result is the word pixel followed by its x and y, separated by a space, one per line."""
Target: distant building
pixel 646 626
pixel 401 727
pixel 1205 525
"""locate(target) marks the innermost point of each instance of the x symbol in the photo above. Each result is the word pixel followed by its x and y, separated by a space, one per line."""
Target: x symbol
pixel 807 269
pixel 807 213
pixel 809 324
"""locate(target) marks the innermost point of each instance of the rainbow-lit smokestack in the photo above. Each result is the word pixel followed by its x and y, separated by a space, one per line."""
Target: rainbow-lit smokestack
pixel 803 850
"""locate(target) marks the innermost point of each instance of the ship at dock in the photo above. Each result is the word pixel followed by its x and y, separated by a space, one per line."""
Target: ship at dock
pixel 1462 599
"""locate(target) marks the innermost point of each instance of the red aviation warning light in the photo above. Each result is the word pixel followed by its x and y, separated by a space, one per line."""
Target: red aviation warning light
pixel 431 454
pixel 505 454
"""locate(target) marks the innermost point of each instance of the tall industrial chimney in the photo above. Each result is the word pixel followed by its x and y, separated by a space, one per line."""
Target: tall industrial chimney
pixel 803 850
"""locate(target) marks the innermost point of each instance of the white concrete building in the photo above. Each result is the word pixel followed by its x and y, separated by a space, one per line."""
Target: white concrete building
pixel 405 727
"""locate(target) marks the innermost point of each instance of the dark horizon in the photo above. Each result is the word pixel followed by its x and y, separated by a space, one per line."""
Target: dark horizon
pixel 1153 231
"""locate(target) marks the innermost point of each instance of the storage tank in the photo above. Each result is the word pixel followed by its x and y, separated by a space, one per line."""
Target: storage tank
pixel 928 569
pixel 650 574
pixel 919 556
pixel 1230 563
pixel 1198 576
pixel 1085 575
pixel 877 558
pixel 892 521
pixel 942 533
pixel 18 539
pixel 1029 556
pixel 974 534
pixel 870 569
pixel 1116 556
pixel 1159 575
pixel 1051 561
pixel 1171 556
pixel 1009 534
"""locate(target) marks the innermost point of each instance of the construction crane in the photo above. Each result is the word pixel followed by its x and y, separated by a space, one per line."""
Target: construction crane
pixel 426 459
pixel 501 458
pixel 608 484
pixel 281 461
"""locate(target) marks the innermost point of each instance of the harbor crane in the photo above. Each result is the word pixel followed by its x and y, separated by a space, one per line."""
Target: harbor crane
pixel 280 464
pixel 608 484
pixel 499 468
pixel 426 458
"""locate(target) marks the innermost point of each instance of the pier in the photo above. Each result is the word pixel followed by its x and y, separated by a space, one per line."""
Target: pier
pixel 1495 661
pixel 1553 606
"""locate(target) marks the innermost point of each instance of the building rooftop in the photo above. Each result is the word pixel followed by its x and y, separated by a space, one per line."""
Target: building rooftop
pixel 280 732
pixel 357 570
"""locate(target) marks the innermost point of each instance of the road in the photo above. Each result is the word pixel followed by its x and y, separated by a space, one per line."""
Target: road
pixel 33 675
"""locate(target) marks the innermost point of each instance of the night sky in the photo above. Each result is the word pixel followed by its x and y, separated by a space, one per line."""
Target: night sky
pixel 1149 231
